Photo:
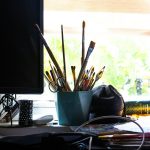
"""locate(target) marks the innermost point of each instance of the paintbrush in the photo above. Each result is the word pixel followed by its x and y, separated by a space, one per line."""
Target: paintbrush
pixel 89 51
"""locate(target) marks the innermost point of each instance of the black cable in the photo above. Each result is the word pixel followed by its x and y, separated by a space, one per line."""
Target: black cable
pixel 115 117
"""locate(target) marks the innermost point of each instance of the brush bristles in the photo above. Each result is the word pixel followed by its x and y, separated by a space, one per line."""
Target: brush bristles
pixel 92 44
pixel 83 24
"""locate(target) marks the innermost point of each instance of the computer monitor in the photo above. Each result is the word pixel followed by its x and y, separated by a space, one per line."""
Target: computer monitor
pixel 21 49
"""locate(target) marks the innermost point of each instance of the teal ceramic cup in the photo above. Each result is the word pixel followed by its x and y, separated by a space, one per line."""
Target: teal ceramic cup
pixel 73 107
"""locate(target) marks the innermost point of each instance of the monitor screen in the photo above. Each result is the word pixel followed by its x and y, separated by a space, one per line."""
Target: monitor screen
pixel 21 50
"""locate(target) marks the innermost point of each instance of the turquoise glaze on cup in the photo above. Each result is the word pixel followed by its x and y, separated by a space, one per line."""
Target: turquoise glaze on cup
pixel 73 107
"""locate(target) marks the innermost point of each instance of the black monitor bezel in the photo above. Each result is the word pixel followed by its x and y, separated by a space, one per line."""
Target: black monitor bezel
pixel 40 88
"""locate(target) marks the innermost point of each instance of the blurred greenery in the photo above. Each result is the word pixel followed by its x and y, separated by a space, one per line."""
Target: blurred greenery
pixel 125 59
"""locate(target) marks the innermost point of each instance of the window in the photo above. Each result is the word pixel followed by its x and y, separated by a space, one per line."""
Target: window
pixel 121 32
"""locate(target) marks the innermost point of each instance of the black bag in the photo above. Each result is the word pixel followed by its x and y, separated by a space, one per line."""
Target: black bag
pixel 106 100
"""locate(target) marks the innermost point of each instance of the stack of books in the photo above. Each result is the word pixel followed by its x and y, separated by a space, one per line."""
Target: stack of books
pixel 138 108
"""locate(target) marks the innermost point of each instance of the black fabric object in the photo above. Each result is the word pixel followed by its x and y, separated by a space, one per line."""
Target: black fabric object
pixel 106 100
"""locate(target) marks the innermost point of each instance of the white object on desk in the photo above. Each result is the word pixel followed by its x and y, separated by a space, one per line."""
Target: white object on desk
pixel 43 120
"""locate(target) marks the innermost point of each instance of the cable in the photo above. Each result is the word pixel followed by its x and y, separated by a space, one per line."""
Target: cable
pixel 115 117
pixel 90 142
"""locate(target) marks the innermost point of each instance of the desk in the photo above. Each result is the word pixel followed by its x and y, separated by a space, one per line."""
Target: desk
pixel 23 131
pixel 29 136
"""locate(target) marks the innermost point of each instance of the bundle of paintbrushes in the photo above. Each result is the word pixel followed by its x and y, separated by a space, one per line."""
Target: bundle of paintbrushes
pixel 57 78
pixel 89 79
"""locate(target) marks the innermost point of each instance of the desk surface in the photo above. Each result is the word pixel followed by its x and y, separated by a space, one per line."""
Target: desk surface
pixel 23 131
pixel 33 134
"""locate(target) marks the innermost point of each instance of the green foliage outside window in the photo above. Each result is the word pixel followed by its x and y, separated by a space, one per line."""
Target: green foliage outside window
pixel 125 60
